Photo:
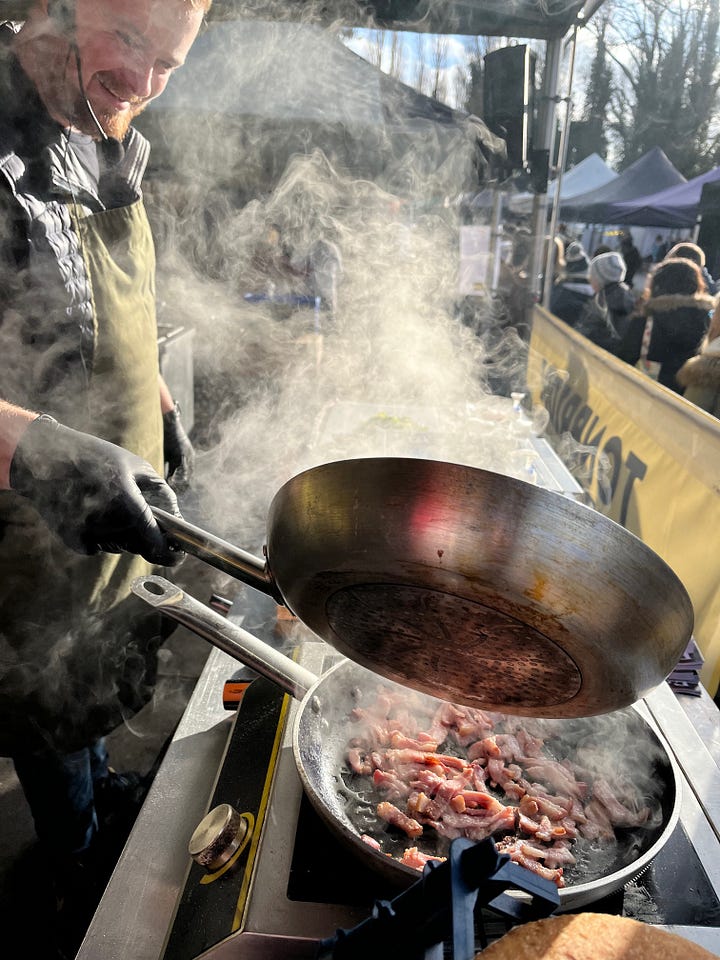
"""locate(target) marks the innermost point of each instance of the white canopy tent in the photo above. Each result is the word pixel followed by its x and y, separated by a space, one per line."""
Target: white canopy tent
pixel 590 173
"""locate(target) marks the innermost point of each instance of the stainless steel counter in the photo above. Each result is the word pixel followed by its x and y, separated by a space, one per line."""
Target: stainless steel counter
pixel 137 909
pixel 700 811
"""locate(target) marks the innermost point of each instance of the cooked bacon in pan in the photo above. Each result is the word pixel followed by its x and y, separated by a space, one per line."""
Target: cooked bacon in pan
pixel 463 772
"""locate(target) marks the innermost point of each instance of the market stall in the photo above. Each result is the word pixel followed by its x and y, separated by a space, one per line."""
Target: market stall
pixel 269 878
pixel 649 174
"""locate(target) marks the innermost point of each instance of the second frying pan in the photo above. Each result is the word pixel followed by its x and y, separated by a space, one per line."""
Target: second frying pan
pixel 324 726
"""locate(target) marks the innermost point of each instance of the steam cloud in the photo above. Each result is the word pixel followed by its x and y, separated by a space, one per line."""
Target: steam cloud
pixel 278 125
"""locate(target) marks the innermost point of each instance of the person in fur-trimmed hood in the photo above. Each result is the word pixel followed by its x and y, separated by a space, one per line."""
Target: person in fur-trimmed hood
pixel 678 305
pixel 691 251
pixel 700 375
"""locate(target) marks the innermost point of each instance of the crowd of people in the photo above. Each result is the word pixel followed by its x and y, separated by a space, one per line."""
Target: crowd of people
pixel 670 330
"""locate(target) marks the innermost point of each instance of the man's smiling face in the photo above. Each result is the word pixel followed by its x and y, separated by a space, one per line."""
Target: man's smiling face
pixel 127 51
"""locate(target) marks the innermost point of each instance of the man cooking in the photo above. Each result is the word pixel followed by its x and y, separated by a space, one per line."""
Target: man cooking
pixel 86 422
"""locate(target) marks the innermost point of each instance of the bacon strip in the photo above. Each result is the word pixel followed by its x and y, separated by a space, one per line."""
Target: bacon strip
pixel 396 818
pixel 412 857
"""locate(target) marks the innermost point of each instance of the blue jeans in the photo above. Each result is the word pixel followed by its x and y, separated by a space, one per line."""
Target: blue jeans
pixel 59 789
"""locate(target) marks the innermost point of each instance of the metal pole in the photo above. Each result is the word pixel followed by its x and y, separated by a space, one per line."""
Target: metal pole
pixel 545 136
pixel 496 233
pixel 564 139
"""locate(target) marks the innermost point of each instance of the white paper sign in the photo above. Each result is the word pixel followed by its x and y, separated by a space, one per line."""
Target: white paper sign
pixel 474 275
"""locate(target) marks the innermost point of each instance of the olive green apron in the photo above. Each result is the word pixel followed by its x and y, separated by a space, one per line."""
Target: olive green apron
pixel 76 652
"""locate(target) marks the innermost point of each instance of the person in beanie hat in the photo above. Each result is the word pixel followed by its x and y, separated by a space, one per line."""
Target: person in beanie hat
pixel 605 318
pixel 576 259
pixel 572 290
pixel 607 268
pixel 607 278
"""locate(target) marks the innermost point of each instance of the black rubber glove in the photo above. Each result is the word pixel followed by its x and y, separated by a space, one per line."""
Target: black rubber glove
pixel 90 492
pixel 179 452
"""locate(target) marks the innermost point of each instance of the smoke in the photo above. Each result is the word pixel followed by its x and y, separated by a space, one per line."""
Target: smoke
pixel 585 462
pixel 275 143
pixel 269 374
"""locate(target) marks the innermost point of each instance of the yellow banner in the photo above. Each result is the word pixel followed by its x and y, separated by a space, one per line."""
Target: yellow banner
pixel 646 457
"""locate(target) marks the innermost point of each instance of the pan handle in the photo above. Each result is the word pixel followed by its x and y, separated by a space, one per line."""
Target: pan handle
pixel 218 553
pixel 225 635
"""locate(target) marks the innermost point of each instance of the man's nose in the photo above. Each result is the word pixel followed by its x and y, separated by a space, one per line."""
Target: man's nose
pixel 143 81
pixel 138 77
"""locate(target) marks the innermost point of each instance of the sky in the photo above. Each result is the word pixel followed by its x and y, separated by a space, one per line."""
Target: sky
pixel 364 43
pixel 459 50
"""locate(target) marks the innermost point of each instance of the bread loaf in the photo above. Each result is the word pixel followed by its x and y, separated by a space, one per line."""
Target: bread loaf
pixel 592 936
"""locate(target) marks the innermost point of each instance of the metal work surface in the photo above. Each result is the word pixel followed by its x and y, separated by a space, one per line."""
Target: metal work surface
pixel 136 911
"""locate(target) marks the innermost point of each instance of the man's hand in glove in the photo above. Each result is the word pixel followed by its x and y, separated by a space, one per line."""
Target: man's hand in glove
pixel 179 453
pixel 90 492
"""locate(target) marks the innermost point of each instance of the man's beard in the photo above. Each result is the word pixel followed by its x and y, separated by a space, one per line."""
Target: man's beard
pixel 116 124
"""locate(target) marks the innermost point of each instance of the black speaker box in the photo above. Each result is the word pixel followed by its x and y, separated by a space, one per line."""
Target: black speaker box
pixel 709 234
pixel 509 99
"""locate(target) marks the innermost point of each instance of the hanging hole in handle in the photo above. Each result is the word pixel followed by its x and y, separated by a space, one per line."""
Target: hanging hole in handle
pixel 156 591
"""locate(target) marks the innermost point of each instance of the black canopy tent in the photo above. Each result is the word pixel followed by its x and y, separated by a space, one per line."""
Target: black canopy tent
pixel 548 20
pixel 246 88
pixel 538 19
pixel 650 174
pixel 677 207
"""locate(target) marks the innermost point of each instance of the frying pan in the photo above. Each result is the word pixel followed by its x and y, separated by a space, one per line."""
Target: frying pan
pixel 322 729
pixel 466 584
